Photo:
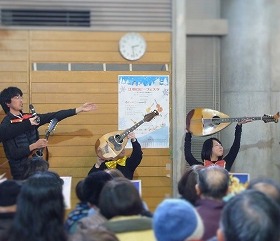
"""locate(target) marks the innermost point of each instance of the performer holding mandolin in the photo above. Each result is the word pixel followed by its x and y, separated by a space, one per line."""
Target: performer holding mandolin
pixel 109 149
pixel 19 147
pixel 212 152
pixel 126 165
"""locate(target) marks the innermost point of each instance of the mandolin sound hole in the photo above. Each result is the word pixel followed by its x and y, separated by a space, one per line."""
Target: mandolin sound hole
pixel 216 120
pixel 118 139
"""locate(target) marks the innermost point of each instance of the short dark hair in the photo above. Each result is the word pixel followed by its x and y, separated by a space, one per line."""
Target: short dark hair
pixel 79 191
pixel 187 182
pixel 251 215
pixel 93 185
pixel 35 164
pixel 7 94
pixel 213 181
pixel 119 197
pixel 206 150
pixel 56 179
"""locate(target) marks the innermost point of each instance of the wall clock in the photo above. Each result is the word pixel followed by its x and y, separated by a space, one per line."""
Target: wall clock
pixel 132 46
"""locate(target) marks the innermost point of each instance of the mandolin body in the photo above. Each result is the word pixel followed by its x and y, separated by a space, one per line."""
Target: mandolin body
pixel 108 146
pixel 204 122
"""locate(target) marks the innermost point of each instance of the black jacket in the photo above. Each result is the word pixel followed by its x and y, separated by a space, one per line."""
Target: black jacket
pixel 17 148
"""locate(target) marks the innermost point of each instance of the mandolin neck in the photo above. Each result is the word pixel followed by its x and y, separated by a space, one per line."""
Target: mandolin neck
pixel 131 129
pixel 235 119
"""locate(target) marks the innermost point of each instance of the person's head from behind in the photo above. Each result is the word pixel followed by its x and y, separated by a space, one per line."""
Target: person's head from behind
pixel 56 180
pixel 213 182
pixel 119 197
pixel 79 191
pixel 93 185
pixel 35 164
pixel 9 191
pixel 250 215
pixel 186 184
pixel 266 185
pixel 177 220
pixel 7 95
pixel 40 204
pixel 212 148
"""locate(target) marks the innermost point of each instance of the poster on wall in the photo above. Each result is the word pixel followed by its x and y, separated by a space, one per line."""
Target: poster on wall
pixel 138 96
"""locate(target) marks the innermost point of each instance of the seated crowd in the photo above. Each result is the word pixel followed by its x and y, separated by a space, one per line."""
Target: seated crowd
pixel 110 208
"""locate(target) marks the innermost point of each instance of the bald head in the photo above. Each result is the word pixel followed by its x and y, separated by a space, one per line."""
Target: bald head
pixel 267 186
pixel 213 182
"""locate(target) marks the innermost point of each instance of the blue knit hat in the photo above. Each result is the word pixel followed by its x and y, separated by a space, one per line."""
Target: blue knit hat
pixel 177 220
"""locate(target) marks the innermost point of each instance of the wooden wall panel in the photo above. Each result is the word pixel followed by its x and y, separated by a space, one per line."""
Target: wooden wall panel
pixel 13 77
pixel 77 88
pixel 84 76
pixel 96 46
pixel 72 56
pixel 93 47
pixel 71 146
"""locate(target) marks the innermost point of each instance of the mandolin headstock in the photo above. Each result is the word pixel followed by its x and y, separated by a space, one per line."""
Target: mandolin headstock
pixel 150 116
pixel 271 118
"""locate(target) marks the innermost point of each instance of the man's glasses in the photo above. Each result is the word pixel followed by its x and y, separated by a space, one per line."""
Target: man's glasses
pixel 18 97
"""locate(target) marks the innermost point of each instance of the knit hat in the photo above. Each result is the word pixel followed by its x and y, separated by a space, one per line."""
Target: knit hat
pixel 177 220
pixel 9 191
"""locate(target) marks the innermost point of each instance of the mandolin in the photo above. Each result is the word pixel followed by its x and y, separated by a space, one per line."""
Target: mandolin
pixel 43 152
pixel 111 144
pixel 204 122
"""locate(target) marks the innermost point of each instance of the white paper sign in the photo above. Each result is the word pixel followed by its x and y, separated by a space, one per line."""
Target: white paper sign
pixel 66 189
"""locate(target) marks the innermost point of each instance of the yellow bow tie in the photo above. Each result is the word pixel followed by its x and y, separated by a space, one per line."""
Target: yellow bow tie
pixel 113 164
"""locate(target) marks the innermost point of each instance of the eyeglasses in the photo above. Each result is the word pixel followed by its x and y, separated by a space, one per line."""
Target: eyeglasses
pixel 18 97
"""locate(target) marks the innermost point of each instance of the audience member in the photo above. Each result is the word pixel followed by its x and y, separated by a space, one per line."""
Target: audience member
pixel 186 185
pixel 94 234
pixel 266 185
pixel 9 191
pixel 93 184
pixel 40 210
pixel 213 182
pixel 79 212
pixel 177 220
pixel 121 204
pixel 115 173
pixel 250 216
pixel 33 165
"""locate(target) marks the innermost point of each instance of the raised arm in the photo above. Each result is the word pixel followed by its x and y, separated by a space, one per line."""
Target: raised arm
pixel 136 155
pixel 190 159
pixel 231 156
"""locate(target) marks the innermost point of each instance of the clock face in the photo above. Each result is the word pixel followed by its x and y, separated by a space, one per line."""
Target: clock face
pixel 132 46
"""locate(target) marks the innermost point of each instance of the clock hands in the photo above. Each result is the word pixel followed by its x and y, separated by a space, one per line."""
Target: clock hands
pixel 134 46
